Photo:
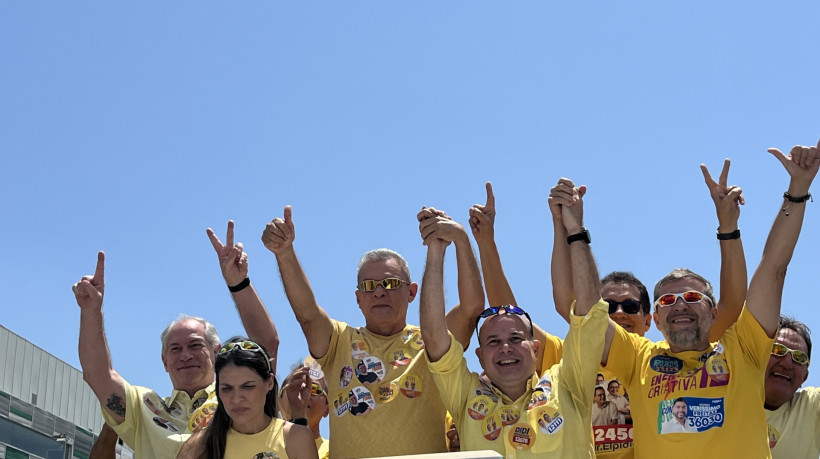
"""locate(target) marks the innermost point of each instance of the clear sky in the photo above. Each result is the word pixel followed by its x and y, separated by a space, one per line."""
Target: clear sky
pixel 131 128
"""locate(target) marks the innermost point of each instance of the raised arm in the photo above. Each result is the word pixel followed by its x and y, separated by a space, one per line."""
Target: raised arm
pixel 461 319
pixel 563 293
pixel 766 287
pixel 95 358
pixel 105 447
pixel 316 325
pixel 431 311
pixel 233 262
pixel 733 277
pixel 587 284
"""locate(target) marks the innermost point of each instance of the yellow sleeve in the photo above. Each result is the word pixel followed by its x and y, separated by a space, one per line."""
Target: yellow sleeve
pixel 452 378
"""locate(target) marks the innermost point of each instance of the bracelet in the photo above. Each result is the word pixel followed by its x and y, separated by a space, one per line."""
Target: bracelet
pixel 728 236
pixel 798 199
pixel 299 421
pixel 245 282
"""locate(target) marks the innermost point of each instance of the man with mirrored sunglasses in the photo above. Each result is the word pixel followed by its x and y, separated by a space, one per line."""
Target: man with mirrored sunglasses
pixel 721 382
pixel 526 413
pixel 395 409
pixel 156 427
pixel 792 415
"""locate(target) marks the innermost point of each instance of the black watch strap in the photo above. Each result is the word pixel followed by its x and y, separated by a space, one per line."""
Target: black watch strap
pixel 582 236
pixel 300 421
pixel 728 236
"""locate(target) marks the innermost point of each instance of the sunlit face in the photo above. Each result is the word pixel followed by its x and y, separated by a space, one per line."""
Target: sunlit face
pixel 242 392
pixel 686 325
pixel 385 311
pixel 188 358
pixel 507 353
pixel 634 323
pixel 679 412
pixel 783 375
pixel 318 406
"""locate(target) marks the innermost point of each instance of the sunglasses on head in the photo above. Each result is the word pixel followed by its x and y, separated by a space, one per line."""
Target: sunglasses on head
pixel 628 306
pixel 799 357
pixel 246 345
pixel 316 389
pixel 507 309
pixel 692 296
pixel 369 285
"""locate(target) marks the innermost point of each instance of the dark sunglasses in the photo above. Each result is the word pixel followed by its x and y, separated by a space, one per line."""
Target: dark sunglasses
pixel 628 306
pixel 507 309
pixel 369 285
pixel 246 345
pixel 799 357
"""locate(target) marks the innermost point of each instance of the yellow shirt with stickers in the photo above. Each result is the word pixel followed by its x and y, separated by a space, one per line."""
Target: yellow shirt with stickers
pixel 155 428
pixel 384 402
pixel 712 400
pixel 794 428
pixel 551 419
pixel 269 443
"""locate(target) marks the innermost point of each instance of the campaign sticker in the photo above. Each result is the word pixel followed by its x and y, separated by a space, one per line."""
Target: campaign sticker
pixel 315 371
pixel 410 385
pixel 666 364
pixel 345 376
pixel 718 371
pixel 401 357
pixel 479 407
pixel 386 393
pixel 537 399
pixel 508 415
pixel 202 417
pixel 556 424
pixel 491 427
pixel 370 370
pixel 340 405
pixel 360 401
pixel 543 418
pixel 165 424
pixel 415 341
pixel 690 414
pixel 545 384
pixel 175 410
pixel 359 349
pixel 150 404
pixel 266 455
pixel 522 436
pixel 773 434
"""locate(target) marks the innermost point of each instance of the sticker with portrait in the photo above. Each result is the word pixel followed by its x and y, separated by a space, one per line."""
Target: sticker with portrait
pixel 360 401
pixel 370 370
pixel 410 385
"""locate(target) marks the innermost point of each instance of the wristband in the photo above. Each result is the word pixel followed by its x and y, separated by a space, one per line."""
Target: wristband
pixel 728 236
pixel 582 236
pixel 245 282
pixel 798 199
pixel 299 421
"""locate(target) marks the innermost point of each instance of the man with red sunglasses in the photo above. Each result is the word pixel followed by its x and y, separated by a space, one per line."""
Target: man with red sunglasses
pixel 722 382
pixel 393 408
pixel 792 416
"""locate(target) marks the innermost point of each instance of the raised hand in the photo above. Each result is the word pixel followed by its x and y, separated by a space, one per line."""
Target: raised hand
pixel 232 259
pixel 801 164
pixel 727 199
pixel 90 289
pixel 279 233
pixel 438 228
pixel 482 218
pixel 569 199
pixel 297 391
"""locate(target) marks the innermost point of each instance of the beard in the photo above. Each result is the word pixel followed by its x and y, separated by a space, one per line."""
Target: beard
pixel 685 339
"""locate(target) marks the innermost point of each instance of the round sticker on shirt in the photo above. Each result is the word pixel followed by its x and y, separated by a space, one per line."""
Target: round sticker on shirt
pixel 543 419
pixel 202 417
pixel 537 399
pixel 666 364
pixel 360 401
pixel 508 415
pixel 199 402
pixel 369 370
pixel 415 341
pixel 345 376
pixel 175 410
pixel 165 424
pixel 491 427
pixel 545 384
pixel 774 435
pixel 410 385
pixel 718 370
pixel 150 404
pixel 315 371
pixel 340 404
pixel 479 407
pixel 359 349
pixel 386 393
pixel 401 357
pixel 522 436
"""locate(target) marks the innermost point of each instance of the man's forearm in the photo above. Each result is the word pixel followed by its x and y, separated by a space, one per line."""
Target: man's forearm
pixel 498 288
pixel 584 277
pixel 257 321
pixel 561 271
pixel 470 290
pixel 431 310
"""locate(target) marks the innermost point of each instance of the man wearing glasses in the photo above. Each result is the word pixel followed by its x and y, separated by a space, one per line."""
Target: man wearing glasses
pixel 793 417
pixel 156 427
pixel 372 419
pixel 724 413
pixel 528 415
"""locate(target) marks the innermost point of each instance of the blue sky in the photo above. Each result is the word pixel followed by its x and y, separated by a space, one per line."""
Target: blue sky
pixel 131 128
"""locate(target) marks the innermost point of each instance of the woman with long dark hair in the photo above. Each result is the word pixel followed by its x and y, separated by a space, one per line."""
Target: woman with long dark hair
pixel 245 425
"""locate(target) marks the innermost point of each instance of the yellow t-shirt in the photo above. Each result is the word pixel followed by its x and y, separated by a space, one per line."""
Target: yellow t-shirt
pixel 794 428
pixel 721 389
pixel 269 443
pixel 323 446
pixel 551 419
pixel 156 428
pixel 384 402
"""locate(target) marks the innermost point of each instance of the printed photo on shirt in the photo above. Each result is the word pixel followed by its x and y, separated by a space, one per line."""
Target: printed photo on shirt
pixel 491 427
pixel 479 407
pixel 345 376
pixel 690 414
pixel 369 370
pixel 165 424
pixel 410 385
pixel 401 357
pixel 358 349
pixel 360 401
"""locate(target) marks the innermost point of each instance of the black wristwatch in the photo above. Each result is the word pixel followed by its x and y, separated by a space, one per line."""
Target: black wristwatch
pixel 728 236
pixel 582 236
pixel 299 421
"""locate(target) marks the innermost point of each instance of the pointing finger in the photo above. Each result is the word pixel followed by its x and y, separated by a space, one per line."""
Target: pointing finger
pixel 99 272
pixel 490 205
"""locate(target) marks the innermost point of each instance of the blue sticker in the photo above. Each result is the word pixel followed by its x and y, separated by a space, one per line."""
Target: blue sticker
pixel 666 364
